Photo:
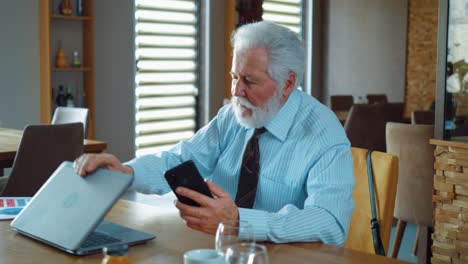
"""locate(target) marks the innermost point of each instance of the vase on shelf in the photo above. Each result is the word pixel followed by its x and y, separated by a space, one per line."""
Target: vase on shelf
pixel 76 60
pixel 65 8
pixel 61 59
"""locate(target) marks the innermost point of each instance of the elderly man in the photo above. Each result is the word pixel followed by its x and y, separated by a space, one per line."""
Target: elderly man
pixel 275 157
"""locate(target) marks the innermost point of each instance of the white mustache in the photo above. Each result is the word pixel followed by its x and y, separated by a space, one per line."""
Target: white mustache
pixel 241 101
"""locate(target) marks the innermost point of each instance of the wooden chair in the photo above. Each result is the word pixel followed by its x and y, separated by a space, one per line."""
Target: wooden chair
pixel 415 182
pixel 365 125
pixel 42 149
pixel 376 98
pixel 422 117
pixel 65 115
pixel 385 172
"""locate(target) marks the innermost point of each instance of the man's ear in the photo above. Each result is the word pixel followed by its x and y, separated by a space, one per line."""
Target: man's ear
pixel 288 86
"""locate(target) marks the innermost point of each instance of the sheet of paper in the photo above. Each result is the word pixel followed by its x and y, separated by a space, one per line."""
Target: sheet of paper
pixel 12 202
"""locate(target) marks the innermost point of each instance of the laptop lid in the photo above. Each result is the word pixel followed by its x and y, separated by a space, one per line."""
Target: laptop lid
pixel 67 208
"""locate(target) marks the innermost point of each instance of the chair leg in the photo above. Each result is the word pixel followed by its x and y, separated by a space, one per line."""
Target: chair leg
pixel 3 182
pixel 400 229
pixel 416 240
pixel 425 243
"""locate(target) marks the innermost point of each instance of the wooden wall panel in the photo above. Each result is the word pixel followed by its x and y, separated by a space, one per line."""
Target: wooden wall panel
pixel 421 55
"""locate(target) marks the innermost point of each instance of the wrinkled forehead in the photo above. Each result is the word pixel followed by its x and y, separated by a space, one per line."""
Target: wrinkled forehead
pixel 256 57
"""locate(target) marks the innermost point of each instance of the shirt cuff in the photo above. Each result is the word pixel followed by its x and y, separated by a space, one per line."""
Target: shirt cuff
pixel 137 170
pixel 258 219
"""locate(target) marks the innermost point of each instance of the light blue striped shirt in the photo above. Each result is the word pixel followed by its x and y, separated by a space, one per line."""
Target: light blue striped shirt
pixel 306 171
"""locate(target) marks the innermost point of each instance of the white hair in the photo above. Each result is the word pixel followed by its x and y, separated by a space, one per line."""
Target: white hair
pixel 285 50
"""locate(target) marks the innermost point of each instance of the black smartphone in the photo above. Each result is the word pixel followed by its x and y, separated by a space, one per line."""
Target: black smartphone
pixel 187 175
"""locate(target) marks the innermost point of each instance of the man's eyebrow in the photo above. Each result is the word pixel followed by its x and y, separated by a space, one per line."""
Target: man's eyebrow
pixel 247 76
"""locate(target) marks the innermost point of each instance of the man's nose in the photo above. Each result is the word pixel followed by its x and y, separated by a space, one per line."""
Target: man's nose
pixel 238 89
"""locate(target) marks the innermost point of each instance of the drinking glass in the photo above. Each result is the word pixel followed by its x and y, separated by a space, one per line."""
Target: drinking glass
pixel 246 253
pixel 231 233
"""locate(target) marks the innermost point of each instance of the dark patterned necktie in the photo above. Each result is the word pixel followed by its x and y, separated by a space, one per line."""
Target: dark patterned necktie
pixel 248 178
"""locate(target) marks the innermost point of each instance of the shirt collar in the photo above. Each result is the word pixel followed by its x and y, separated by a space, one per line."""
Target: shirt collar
pixel 279 126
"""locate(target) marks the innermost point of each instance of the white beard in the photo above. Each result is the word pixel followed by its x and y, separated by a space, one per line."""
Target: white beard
pixel 260 117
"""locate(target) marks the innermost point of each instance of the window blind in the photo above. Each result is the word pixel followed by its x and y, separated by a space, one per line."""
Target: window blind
pixel 287 13
pixel 167 73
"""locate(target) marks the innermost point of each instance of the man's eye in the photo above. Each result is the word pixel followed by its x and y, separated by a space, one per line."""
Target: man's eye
pixel 249 81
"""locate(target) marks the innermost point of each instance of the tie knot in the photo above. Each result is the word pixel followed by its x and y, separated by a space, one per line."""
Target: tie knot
pixel 259 131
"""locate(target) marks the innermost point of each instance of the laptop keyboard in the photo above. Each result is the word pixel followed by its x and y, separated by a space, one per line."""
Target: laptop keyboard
pixel 98 239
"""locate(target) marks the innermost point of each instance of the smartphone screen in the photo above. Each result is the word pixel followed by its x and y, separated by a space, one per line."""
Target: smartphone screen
pixel 187 175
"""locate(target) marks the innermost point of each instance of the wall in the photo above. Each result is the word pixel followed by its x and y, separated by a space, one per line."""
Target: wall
pixel 19 71
pixel 115 71
pixel 365 48
pixel 422 55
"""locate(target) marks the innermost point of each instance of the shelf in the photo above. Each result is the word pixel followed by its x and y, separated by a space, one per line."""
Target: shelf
pixel 63 17
pixel 67 69
pixel 51 25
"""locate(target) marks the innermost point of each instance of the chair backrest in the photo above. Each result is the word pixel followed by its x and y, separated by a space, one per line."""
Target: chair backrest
pixel 385 172
pixel 422 117
pixel 341 102
pixel 42 149
pixel 410 143
pixel 365 125
pixel 65 115
pixel 376 98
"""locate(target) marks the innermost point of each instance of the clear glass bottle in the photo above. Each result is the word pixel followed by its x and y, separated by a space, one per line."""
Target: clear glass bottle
pixel 76 60
pixel 79 7
pixel 69 97
pixel 116 255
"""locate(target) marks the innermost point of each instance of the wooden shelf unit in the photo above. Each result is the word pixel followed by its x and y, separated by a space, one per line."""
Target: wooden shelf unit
pixel 48 17
pixel 80 69
pixel 56 16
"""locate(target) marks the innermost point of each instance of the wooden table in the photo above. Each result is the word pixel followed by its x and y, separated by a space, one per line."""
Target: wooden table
pixel 11 138
pixel 173 238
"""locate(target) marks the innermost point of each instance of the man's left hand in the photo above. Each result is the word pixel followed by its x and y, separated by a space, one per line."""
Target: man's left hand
pixel 211 212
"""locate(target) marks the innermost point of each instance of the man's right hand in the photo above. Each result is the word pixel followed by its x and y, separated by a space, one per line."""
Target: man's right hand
pixel 88 163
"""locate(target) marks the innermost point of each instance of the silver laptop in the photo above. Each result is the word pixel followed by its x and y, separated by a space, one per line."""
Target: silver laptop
pixel 67 212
